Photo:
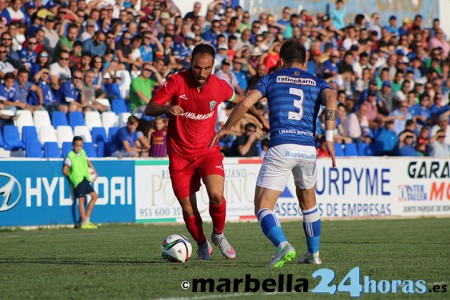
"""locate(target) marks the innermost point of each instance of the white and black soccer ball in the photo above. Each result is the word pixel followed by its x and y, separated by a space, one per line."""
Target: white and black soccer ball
pixel 176 248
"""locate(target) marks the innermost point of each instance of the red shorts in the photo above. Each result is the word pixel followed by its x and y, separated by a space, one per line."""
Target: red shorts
pixel 186 173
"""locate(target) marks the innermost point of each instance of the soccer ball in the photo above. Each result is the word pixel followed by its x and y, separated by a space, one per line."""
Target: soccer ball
pixel 92 175
pixel 176 248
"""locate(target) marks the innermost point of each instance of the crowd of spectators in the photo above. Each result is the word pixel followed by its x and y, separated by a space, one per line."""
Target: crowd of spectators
pixel 392 80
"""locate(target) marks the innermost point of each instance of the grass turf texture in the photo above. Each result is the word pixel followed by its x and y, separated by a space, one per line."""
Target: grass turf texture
pixel 124 261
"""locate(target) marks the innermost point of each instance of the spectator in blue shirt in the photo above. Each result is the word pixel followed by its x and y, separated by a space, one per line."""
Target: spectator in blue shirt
pixel 392 27
pixel 129 141
pixel 28 55
pixel 25 88
pixel 241 74
pixel 386 140
pixel 420 112
pixel 8 95
pixel 149 45
pixel 406 144
pixel 96 45
pixel 338 15
pixel 71 92
pixel 50 103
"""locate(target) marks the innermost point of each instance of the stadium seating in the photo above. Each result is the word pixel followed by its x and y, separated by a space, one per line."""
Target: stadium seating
pixel 112 133
pixel 89 148
pixel 33 149
pixel 124 84
pixel 64 134
pixel 92 119
pixel 24 118
pixel 41 118
pixel 119 106
pixel 76 119
pixel 350 149
pixel 51 150
pixel 338 149
pixel 29 134
pixel 104 102
pixel 66 148
pixel 84 132
pixel 47 134
pixel 2 142
pixel 98 134
pixel 364 149
pixel 109 119
pixel 59 119
pixel 12 138
pixel 123 119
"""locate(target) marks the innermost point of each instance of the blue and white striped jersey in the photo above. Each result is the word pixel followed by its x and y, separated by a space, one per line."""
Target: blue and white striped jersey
pixel 294 102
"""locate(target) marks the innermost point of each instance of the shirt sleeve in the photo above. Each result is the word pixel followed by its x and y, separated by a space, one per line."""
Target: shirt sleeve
pixel 166 93
pixel 68 162
pixel 261 86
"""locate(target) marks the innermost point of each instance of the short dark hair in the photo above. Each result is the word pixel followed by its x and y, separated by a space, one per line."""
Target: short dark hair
pixel 249 125
pixel 76 139
pixel 203 49
pixel 293 50
pixel 132 120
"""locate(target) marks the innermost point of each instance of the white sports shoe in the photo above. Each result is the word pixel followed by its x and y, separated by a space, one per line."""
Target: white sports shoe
pixel 204 251
pixel 312 259
pixel 220 241
pixel 287 253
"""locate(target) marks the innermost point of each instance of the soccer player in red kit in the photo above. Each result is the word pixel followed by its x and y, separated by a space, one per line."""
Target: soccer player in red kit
pixel 190 99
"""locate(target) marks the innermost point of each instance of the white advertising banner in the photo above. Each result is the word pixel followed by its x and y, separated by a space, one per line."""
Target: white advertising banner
pixel 357 188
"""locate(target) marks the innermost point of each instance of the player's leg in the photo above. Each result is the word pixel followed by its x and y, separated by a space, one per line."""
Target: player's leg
pixel 210 169
pixel 305 176
pixel 185 183
pixel 272 180
pixel 90 208
pixel 81 208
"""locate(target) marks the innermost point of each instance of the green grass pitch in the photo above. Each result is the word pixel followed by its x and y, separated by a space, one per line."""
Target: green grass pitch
pixel 124 261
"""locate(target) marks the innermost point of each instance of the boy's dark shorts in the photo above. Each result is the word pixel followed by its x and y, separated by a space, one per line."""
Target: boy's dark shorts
pixel 83 189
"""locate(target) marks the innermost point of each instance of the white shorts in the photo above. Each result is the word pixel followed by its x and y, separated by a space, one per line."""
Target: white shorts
pixel 281 160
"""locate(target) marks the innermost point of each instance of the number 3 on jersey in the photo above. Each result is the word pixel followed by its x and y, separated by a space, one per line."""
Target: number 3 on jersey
pixel 298 103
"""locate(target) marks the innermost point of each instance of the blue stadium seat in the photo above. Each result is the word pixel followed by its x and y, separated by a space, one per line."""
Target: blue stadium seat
pixel 101 149
pixel 112 133
pixel 364 149
pixel 33 149
pixel 59 119
pixel 119 106
pixel 12 138
pixel 350 149
pixel 2 142
pixel 51 150
pixel 29 134
pixel 338 149
pixel 89 149
pixel 98 135
pixel 76 119
pixel 66 148
pixel 110 148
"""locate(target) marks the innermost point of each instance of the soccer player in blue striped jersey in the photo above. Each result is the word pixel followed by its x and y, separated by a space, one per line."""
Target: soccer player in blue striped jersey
pixel 294 98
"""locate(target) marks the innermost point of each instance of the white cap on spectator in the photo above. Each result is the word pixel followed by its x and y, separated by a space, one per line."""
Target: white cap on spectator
pixel 256 52
pixel 223 47
pixel 165 15
pixel 190 35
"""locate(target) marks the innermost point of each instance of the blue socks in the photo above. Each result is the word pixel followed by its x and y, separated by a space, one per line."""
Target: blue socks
pixel 271 227
pixel 311 226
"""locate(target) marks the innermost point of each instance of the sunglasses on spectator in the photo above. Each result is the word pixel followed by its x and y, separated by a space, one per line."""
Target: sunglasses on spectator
pixel 79 78
pixel 43 55
pixel 6 39
pixel 32 43
pixel 148 70
pixel 3 51
pixel 46 73
pixel 98 60
pixel 64 58
pixel 198 41
pixel 127 37
pixel 251 130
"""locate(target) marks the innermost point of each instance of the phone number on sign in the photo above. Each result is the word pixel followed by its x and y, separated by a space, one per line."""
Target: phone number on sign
pixel 160 212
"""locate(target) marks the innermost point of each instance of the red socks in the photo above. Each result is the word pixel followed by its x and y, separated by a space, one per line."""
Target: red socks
pixel 194 225
pixel 218 214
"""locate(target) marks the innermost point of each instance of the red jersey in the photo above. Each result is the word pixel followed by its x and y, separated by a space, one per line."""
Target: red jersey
pixel 189 135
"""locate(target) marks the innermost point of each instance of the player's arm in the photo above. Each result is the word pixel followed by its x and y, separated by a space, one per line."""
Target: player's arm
pixel 237 114
pixel 328 99
pixel 158 104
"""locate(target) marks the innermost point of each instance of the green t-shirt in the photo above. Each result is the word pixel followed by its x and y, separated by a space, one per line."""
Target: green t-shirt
pixel 64 41
pixel 143 85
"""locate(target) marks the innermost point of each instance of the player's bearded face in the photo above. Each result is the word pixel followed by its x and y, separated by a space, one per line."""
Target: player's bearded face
pixel 201 68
